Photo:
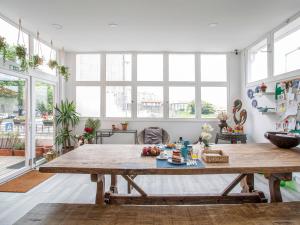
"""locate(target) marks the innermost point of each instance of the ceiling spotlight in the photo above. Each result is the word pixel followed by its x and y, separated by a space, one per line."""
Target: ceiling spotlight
pixel 213 25
pixel 112 25
pixel 57 26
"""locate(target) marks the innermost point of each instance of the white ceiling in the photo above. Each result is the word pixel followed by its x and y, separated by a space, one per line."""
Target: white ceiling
pixel 150 25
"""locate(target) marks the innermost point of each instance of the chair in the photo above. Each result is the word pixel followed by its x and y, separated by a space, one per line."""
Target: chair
pixel 165 136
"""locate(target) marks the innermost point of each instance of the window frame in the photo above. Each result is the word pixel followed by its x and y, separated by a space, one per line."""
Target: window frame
pixel 165 83
pixel 270 59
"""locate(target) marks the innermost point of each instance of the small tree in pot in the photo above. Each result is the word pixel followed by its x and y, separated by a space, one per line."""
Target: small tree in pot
pixel 66 118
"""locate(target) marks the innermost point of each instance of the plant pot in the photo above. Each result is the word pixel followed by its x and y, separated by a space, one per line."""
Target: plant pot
pixel 50 155
pixel 39 151
pixel 124 126
pixel 6 152
pixel 90 141
pixel 19 152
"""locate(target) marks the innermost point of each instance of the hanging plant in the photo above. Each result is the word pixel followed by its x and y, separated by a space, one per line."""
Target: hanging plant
pixel 21 55
pixel 3 46
pixel 35 61
pixel 64 72
pixel 10 53
pixel 52 64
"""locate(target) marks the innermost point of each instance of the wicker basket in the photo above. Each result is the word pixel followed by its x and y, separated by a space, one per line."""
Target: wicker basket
pixel 219 158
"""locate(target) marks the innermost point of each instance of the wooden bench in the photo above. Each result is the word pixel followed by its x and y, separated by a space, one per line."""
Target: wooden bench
pixel 88 214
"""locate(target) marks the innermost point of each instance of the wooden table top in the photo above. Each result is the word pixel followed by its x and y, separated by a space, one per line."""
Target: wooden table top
pixel 127 159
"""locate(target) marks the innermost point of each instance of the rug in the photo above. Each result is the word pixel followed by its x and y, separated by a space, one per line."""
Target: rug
pixel 25 182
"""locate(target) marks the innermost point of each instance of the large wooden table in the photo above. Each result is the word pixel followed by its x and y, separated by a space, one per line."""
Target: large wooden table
pixel 125 160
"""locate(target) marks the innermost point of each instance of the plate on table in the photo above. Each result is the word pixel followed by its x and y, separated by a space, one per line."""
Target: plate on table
pixel 164 157
pixel 177 163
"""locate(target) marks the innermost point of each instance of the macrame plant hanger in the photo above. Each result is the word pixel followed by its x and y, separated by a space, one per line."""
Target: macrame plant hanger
pixel 38 45
pixel 20 33
pixel 51 43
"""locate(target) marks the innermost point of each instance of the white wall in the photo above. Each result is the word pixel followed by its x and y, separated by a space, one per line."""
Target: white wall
pixel 258 123
pixel 186 129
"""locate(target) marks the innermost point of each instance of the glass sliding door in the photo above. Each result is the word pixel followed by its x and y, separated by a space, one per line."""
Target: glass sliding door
pixel 13 124
pixel 44 119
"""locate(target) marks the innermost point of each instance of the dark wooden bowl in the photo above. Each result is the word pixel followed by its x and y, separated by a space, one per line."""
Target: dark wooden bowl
pixel 282 141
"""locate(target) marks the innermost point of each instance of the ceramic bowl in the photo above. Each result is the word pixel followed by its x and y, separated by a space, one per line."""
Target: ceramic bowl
pixel 282 140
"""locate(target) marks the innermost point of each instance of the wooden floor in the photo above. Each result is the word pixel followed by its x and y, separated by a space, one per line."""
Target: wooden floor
pixel 72 188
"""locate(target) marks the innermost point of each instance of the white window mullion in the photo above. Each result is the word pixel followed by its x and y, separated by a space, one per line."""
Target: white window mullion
pixel 166 85
pixel 103 85
pixel 134 87
pixel 198 86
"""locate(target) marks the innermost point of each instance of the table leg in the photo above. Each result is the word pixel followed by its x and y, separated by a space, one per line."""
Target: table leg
pixel 217 139
pixel 135 138
pixel 274 185
pixel 247 184
pixel 113 183
pixel 100 190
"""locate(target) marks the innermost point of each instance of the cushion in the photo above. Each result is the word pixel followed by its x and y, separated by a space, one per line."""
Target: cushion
pixel 153 135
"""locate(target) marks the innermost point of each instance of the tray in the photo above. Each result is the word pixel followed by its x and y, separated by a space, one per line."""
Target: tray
pixel 214 156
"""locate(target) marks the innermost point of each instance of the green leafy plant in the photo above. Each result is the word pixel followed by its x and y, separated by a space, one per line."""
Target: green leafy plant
pixel 10 53
pixel 91 126
pixel 21 52
pixel 66 118
pixel 52 64
pixel 35 61
pixel 64 72
pixel 19 145
pixel 3 46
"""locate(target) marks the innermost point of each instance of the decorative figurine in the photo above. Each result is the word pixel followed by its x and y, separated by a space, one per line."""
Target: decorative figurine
pixel 222 116
pixel 237 106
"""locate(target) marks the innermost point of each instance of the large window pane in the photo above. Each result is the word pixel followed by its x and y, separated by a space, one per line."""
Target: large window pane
pixel 88 67
pixel 258 62
pixel 213 101
pixel 150 67
pixel 88 101
pixel 150 102
pixel 118 101
pixel 13 123
pixel 11 34
pixel 213 67
pixel 44 102
pixel 182 102
pixel 287 48
pixel 118 67
pixel 181 67
pixel 44 51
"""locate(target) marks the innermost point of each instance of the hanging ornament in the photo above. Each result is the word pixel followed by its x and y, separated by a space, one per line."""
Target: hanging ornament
pixel 52 63
pixel 21 50
pixel 36 60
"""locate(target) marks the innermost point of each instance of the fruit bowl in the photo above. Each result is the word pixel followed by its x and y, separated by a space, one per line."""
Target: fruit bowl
pixel 150 151
pixel 282 139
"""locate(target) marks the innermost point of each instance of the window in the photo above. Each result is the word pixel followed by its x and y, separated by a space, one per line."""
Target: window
pixel 149 67
pixel 150 102
pixel 88 67
pixel 118 67
pixel 11 34
pixel 213 67
pixel 182 67
pixel 258 62
pixel 182 102
pixel 287 48
pixel 45 52
pixel 213 101
pixel 118 101
pixel 88 101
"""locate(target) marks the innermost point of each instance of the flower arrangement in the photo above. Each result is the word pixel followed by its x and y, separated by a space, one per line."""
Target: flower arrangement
pixel 91 126
pixel 222 116
pixel 35 61
pixel 206 134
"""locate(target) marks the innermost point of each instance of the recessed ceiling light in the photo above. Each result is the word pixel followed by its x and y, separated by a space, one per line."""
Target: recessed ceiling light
pixel 112 25
pixel 213 25
pixel 57 26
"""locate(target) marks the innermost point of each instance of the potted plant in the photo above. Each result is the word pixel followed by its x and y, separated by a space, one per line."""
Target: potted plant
pixel 21 55
pixel 36 61
pixel 19 120
pixel 50 155
pixel 19 149
pixel 52 64
pixel 10 54
pixel 64 72
pixel 91 127
pixel 124 125
pixel 66 118
pixel 263 87
pixel 206 134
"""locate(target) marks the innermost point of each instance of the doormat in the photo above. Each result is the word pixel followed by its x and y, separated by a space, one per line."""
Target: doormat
pixel 25 182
